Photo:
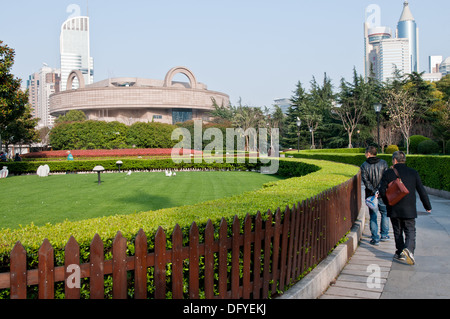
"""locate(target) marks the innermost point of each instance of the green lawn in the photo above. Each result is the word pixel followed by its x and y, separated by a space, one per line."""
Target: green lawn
pixel 27 199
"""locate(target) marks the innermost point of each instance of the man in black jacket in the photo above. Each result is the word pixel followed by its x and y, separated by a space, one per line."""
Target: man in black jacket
pixel 371 173
pixel 403 215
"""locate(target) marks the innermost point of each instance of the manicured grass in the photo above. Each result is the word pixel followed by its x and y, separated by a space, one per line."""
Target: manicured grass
pixel 32 199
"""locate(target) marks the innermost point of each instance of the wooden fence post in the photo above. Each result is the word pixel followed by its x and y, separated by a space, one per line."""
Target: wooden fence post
pixel 71 257
pixel 223 256
pixel 209 260
pixel 18 272
pixel 246 288
pixel 140 266
pixel 119 267
pixel 160 264
pixel 96 265
pixel 257 257
pixel 177 263
pixel 46 271
pixel 193 262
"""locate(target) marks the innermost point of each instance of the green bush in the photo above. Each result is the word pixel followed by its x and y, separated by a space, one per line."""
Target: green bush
pixel 88 135
pixel 428 147
pixel 320 177
pixel 150 135
pixel 391 149
pixel 414 142
pixel 357 150
pixel 433 170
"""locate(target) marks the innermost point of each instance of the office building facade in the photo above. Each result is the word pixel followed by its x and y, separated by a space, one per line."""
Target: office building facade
pixel 373 36
pixel 407 29
pixel 75 50
pixel 40 86
pixel 384 53
pixel 394 55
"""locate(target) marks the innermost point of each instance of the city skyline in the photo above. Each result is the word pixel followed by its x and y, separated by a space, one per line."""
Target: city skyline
pixel 254 50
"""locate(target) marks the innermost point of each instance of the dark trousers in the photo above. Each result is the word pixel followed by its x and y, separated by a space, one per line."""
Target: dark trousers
pixel 406 227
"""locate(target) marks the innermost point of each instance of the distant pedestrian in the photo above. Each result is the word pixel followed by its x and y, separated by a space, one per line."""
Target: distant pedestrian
pixel 17 158
pixel 371 173
pixel 2 157
pixel 403 214
pixel 69 156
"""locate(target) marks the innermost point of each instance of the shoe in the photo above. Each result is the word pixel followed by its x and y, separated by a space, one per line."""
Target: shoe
pixel 400 257
pixel 386 238
pixel 375 243
pixel 409 256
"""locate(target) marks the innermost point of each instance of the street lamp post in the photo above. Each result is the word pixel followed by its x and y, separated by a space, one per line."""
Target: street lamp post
pixel 299 122
pixel 377 108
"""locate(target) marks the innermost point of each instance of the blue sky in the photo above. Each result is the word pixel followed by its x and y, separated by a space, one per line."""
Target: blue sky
pixel 256 50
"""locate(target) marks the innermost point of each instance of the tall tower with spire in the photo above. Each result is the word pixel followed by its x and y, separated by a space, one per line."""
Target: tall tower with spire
pixel 407 29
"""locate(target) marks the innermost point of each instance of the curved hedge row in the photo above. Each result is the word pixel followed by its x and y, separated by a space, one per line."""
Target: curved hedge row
pixel 310 178
pixel 315 177
pixel 433 170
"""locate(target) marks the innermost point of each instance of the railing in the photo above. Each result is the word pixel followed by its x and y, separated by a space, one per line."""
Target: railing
pixel 257 261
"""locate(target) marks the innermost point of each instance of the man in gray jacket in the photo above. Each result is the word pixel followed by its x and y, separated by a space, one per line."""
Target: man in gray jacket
pixel 371 173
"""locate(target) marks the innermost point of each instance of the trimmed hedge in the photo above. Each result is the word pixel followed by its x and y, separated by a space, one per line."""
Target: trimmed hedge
pixel 433 170
pixel 18 168
pixel 313 177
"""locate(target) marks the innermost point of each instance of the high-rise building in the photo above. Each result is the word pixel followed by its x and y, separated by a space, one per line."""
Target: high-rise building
pixel 283 103
pixel 384 54
pixel 444 68
pixel 394 55
pixel 435 61
pixel 75 50
pixel 407 29
pixel 372 39
pixel 40 86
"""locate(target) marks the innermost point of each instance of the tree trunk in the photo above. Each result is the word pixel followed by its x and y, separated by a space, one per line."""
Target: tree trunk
pixel 350 140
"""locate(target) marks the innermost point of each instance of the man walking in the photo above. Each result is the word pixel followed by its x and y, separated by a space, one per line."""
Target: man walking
pixel 403 215
pixel 371 173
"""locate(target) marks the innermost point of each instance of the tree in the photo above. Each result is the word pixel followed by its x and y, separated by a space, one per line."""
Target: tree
pixel 21 130
pixel 13 101
pixel 71 116
pixel 222 113
pixel 354 100
pixel 247 117
pixel 401 108
pixel 290 125
pixel 442 124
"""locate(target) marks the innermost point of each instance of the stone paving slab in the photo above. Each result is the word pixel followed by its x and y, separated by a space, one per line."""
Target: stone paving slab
pixel 366 273
pixel 428 278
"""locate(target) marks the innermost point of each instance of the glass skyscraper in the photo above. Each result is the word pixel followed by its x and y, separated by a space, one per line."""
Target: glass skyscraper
pixel 75 50
pixel 407 29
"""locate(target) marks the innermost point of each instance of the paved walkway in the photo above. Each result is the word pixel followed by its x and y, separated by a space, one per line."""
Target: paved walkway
pixel 371 273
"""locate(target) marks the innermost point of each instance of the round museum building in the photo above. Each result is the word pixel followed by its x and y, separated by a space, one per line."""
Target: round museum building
pixel 130 100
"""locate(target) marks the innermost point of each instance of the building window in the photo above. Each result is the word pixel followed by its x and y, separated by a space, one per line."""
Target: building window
pixel 181 115
pixel 157 117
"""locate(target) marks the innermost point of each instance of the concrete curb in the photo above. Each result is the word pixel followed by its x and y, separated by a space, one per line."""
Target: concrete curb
pixel 437 192
pixel 318 280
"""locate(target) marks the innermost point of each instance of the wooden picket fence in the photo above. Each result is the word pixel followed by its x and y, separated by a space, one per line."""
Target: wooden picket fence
pixel 258 260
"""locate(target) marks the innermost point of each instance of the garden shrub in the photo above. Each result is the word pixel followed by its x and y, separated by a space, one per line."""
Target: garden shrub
pixel 88 135
pixel 391 149
pixel 320 177
pixel 433 170
pixel 428 147
pixel 414 142
pixel 150 135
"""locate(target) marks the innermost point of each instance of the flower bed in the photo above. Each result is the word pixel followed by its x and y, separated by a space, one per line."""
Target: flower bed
pixel 107 153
